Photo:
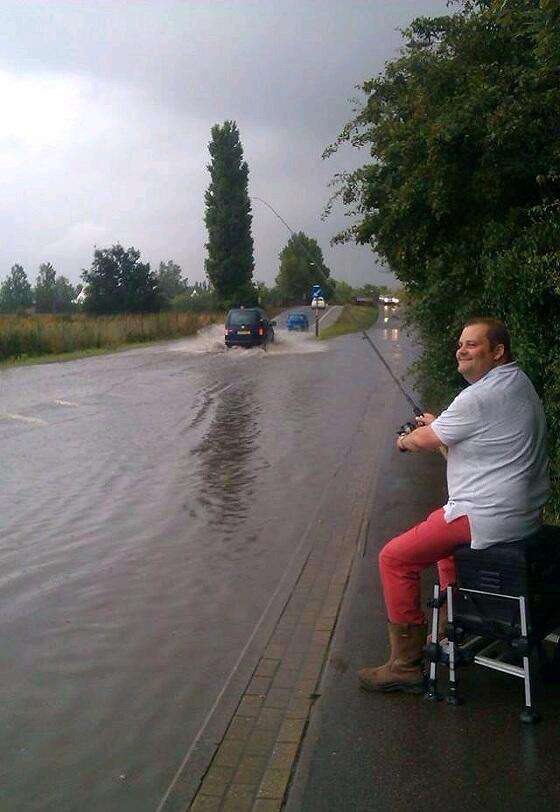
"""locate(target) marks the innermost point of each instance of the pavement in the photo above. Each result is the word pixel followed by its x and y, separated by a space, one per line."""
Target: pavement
pixel 400 752
pixel 304 738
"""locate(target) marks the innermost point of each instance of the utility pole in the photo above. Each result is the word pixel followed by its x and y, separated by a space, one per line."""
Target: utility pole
pixel 316 309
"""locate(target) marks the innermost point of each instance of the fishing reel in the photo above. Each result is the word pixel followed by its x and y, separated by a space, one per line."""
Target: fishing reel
pixel 409 426
pixel 406 428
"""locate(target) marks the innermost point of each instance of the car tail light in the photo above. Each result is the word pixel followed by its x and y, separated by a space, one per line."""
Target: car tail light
pixel 261 331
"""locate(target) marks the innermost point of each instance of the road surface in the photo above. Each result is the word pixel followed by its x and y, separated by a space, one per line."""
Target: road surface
pixel 153 504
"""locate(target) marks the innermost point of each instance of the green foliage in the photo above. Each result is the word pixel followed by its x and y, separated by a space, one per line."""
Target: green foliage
pixel 171 282
pixel 343 293
pixel 230 264
pixel 64 295
pixel 53 294
pixel 118 282
pixel 269 298
pixel 15 292
pixel 461 195
pixel 200 298
pixel 372 291
pixel 44 288
pixel 302 266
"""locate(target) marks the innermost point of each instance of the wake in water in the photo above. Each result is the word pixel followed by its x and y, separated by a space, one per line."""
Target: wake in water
pixel 211 341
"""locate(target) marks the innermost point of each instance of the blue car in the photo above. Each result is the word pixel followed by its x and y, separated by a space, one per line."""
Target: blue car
pixel 297 321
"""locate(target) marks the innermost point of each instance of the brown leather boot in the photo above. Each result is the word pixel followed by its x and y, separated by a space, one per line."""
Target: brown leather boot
pixel 403 671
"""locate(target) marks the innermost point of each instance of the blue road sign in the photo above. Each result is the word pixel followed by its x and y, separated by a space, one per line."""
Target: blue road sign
pixel 316 291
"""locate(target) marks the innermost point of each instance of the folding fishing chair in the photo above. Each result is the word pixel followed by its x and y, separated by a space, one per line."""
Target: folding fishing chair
pixel 505 603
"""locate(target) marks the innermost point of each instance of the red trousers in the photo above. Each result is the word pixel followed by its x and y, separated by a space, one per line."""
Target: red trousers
pixel 403 558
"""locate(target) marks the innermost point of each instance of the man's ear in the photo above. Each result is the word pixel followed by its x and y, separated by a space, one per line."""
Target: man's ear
pixel 499 351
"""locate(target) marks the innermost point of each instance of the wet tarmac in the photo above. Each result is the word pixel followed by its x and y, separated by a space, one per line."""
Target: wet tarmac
pixel 151 502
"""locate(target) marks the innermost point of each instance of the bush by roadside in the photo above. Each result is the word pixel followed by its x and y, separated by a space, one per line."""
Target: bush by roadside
pixel 460 195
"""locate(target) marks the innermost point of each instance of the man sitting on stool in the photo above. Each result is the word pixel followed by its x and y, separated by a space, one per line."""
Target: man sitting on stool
pixel 497 480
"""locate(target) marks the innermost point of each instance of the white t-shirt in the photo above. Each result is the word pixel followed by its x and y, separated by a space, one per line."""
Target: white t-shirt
pixel 497 466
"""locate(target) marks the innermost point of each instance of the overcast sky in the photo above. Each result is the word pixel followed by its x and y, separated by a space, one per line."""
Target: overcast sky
pixel 107 109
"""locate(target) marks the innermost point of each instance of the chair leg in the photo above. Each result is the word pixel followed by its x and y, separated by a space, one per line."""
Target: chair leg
pixel 528 715
pixel 433 649
pixel 453 697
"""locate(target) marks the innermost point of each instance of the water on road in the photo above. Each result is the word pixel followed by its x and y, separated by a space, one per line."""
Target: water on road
pixel 150 502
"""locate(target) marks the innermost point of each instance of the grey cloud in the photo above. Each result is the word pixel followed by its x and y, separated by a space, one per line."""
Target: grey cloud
pixel 153 78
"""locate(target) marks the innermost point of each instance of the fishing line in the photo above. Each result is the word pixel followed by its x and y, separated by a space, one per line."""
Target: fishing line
pixel 418 411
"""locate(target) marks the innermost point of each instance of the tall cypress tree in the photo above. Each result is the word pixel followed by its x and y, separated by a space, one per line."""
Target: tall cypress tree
pixel 228 217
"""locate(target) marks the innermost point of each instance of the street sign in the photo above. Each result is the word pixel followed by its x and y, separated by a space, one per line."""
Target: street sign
pixel 316 293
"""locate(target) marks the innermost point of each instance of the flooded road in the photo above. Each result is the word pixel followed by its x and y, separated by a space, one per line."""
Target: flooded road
pixel 151 502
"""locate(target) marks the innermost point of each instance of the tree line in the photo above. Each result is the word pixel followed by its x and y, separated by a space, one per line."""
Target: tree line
pixel 460 193
pixel 117 282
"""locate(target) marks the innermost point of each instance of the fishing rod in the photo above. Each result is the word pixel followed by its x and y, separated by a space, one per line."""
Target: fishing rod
pixel 409 426
pixel 418 411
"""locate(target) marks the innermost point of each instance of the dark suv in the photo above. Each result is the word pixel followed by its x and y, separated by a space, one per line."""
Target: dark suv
pixel 248 327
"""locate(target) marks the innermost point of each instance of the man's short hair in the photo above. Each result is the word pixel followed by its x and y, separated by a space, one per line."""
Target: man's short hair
pixel 496 332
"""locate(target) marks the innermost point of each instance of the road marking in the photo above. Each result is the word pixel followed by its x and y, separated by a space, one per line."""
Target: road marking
pixel 22 417
pixel 66 403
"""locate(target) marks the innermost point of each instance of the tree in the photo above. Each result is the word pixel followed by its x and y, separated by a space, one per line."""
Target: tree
pixel 198 298
pixel 343 292
pixel 461 190
pixel 230 264
pixel 64 296
pixel 301 267
pixel 45 288
pixel 118 282
pixel 53 294
pixel 15 291
pixel 170 281
pixel 370 290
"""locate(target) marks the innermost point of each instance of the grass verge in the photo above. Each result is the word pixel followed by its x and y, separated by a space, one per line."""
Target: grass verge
pixel 45 339
pixel 352 319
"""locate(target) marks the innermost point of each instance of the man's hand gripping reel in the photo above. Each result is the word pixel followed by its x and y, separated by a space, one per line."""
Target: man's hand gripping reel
pixel 409 426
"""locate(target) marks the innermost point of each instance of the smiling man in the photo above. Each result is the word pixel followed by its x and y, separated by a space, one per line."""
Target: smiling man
pixel 497 480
